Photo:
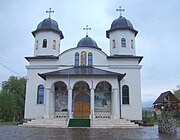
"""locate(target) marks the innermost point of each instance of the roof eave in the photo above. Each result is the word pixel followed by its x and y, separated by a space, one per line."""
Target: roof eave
pixel 44 76
pixel 59 32
pixel 126 56
pixel 111 30
pixel 41 57
pixel 50 74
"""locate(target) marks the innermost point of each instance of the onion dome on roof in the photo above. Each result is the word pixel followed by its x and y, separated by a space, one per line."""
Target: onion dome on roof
pixel 121 23
pixel 48 24
pixel 87 42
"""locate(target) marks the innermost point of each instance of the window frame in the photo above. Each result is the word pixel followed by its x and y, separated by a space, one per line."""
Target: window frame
pixel 76 62
pixel 36 46
pixel 113 43
pixel 125 95
pixel 83 58
pixel 132 43
pixel 44 45
pixel 123 42
pixel 40 94
pixel 90 59
pixel 54 44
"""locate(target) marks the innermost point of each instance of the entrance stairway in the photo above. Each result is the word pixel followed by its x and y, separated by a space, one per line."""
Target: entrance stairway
pixel 96 123
pixel 113 123
pixel 50 123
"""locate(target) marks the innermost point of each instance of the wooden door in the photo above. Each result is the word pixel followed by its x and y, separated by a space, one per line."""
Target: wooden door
pixel 82 106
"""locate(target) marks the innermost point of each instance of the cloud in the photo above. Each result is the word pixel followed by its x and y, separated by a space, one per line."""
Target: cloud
pixel 158 23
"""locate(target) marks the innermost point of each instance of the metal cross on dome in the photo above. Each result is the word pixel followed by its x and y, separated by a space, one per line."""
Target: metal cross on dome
pixel 87 28
pixel 49 12
pixel 120 10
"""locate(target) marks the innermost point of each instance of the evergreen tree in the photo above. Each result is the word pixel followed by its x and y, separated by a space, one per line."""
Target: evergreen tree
pixel 7 107
pixel 177 93
pixel 14 89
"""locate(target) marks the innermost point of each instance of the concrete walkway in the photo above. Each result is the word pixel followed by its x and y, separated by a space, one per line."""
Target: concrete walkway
pixel 14 132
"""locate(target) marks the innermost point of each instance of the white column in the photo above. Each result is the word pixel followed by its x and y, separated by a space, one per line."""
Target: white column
pixel 51 104
pixel 115 104
pixel 70 102
pixel 92 102
pixel 47 103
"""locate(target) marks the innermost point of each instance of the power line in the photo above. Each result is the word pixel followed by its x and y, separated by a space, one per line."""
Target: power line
pixel 10 69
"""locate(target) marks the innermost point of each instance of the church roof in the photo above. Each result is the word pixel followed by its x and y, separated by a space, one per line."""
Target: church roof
pixel 48 24
pixel 81 71
pixel 87 42
pixel 121 23
pixel 125 56
pixel 42 57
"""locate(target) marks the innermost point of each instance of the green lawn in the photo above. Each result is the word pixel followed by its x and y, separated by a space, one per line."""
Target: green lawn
pixel 178 123
pixel 6 123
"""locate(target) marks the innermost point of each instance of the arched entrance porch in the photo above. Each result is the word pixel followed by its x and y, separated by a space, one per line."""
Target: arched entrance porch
pixel 81 100
pixel 102 100
pixel 61 99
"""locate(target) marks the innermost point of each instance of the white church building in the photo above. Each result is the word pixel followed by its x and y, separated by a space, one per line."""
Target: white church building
pixel 83 81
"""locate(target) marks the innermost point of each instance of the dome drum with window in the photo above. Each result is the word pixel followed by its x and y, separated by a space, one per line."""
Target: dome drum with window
pixel 122 35
pixel 47 38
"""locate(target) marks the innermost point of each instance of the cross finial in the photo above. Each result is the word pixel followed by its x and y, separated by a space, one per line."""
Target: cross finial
pixel 120 10
pixel 49 12
pixel 87 30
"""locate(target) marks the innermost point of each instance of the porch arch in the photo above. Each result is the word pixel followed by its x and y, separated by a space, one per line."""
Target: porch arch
pixel 81 100
pixel 61 97
pixel 102 99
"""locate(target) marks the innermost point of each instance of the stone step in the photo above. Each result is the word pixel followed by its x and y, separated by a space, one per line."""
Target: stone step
pixel 117 126
pixel 55 123
pixel 45 125
pixel 113 123
pixel 46 121
pixel 112 120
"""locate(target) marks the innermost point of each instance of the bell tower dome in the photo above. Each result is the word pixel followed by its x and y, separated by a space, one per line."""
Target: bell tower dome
pixel 122 36
pixel 47 37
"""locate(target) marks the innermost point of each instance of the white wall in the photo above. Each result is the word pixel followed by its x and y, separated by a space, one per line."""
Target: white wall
pixel 49 36
pixel 99 58
pixel 117 36
pixel 66 60
pixel 32 109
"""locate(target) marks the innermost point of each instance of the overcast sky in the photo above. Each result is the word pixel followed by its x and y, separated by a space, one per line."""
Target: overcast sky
pixel 158 23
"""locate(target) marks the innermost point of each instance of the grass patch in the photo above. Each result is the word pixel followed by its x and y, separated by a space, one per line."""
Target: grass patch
pixel 148 123
pixel 9 123
pixel 178 123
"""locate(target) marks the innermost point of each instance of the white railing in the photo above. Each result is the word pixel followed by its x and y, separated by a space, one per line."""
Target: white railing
pixel 60 114
pixel 67 118
pixel 92 117
pixel 103 115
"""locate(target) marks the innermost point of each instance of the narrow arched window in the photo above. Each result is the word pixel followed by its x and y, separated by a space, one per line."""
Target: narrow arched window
pixel 44 43
pixel 90 59
pixel 54 44
pixel 36 44
pixel 123 42
pixel 40 94
pixel 125 94
pixel 76 59
pixel 83 58
pixel 114 43
pixel 132 44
